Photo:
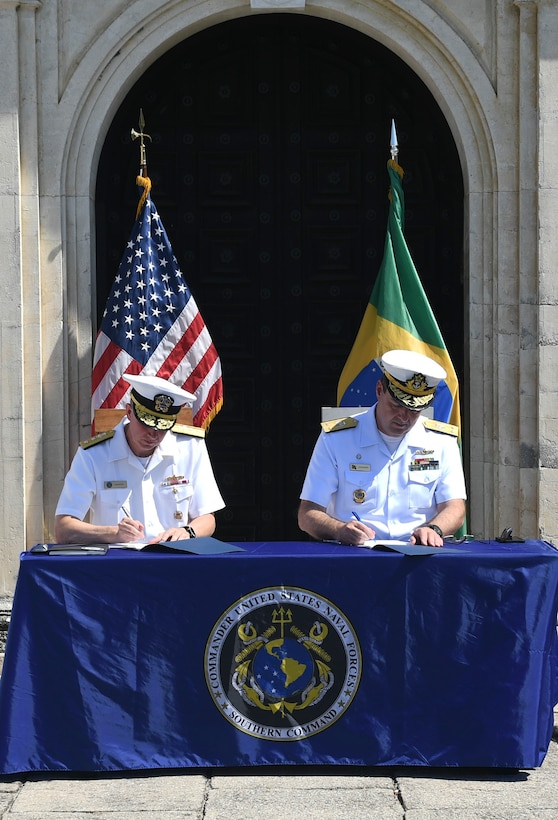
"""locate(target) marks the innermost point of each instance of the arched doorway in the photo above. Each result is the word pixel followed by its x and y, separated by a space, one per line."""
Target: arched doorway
pixel 268 162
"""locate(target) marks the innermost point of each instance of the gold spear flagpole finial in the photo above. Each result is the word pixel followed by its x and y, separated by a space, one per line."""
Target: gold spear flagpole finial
pixel 142 180
pixel 142 135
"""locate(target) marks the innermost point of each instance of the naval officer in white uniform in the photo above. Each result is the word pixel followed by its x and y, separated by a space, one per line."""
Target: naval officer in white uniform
pixel 389 473
pixel 141 481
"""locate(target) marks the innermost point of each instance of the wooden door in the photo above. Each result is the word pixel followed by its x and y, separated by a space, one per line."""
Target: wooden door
pixel 270 137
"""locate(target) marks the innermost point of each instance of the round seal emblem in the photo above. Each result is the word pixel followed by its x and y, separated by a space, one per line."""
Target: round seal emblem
pixel 282 663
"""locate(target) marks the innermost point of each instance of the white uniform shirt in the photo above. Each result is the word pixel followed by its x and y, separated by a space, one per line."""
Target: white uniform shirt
pixel 393 493
pixel 175 486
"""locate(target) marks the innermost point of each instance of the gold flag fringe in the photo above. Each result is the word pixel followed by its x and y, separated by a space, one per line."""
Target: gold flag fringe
pixel 211 415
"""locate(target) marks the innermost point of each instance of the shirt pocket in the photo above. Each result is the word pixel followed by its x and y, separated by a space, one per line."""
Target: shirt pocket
pixel 177 500
pixel 422 486
pixel 115 499
pixel 360 488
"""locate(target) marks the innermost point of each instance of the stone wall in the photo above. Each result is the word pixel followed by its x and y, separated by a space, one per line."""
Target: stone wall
pixel 5 612
pixel 492 68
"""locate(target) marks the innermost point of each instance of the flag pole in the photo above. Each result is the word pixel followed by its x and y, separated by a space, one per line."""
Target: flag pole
pixel 141 135
pixel 394 147
pixel 142 179
pixel 137 335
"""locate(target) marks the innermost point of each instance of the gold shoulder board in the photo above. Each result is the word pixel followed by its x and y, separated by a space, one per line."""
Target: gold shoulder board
pixel 91 442
pixel 188 430
pixel 441 427
pixel 333 425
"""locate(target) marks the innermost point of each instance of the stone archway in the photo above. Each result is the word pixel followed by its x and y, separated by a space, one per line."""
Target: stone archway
pixel 270 138
pixel 435 61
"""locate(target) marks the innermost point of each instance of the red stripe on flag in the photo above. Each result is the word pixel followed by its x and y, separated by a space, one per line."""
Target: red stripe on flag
pixel 199 373
pixel 183 346
pixel 121 387
pixel 211 406
pixel 104 363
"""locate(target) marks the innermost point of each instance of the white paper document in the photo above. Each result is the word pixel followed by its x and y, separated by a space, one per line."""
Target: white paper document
pixel 129 545
pixel 371 543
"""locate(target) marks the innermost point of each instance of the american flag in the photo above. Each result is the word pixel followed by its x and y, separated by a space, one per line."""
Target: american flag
pixel 152 325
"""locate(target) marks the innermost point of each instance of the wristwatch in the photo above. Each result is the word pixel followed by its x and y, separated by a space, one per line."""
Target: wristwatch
pixel 190 530
pixel 434 527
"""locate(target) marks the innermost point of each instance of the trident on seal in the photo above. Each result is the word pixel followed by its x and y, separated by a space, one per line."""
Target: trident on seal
pixel 282 617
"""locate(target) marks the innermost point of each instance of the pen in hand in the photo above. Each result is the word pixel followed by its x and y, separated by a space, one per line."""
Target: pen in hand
pixel 130 524
pixel 366 530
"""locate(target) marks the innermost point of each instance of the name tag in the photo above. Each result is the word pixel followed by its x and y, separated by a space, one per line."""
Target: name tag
pixel 116 485
pixel 361 468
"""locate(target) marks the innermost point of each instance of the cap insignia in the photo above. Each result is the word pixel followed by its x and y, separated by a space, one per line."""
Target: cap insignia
pixel 417 383
pixel 162 403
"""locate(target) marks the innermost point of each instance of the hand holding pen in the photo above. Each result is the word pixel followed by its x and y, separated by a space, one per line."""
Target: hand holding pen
pixel 356 532
pixel 128 528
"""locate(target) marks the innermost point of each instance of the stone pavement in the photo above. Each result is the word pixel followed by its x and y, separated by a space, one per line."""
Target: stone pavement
pixel 325 793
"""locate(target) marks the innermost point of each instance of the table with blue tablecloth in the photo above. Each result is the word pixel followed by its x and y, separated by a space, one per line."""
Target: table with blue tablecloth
pixel 281 654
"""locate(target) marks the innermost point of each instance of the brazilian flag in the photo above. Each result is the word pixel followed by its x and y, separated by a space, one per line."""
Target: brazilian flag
pixel 397 317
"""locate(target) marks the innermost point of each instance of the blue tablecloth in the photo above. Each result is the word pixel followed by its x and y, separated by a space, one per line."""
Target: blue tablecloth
pixel 285 653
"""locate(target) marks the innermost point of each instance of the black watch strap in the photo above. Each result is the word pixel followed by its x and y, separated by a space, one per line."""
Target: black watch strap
pixel 190 530
pixel 436 528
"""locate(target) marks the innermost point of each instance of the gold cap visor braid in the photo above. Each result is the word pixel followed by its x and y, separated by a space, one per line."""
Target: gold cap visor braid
pixel 407 400
pixel 415 393
pixel 151 418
